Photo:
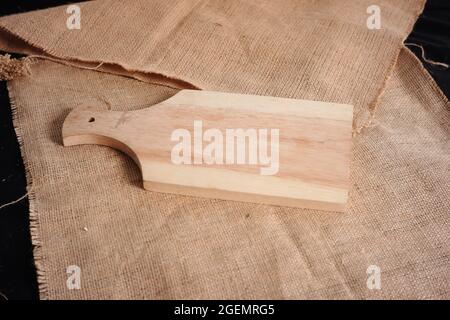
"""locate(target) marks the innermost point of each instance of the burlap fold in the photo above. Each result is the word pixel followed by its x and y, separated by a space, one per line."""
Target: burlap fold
pixel 318 50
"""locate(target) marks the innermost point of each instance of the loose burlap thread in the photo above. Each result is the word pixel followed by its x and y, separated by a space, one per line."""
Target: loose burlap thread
pixel 87 205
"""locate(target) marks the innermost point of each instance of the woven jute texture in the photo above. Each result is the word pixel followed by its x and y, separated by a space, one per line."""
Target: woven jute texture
pixel 318 50
pixel 87 205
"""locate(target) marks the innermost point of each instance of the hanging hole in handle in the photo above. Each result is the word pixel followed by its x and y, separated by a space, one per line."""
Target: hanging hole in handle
pixel 91 119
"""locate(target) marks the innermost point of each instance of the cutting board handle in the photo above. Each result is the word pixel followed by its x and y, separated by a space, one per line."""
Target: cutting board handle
pixel 89 125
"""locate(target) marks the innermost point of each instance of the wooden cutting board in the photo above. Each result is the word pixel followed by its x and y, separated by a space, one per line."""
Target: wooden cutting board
pixel 231 146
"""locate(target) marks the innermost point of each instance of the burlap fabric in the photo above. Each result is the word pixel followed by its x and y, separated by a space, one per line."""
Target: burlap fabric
pixel 87 204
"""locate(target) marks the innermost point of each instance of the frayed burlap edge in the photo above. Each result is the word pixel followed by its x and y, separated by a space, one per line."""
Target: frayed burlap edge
pixel 430 79
pixel 149 76
pixel 33 212
pixel 375 103
pixel 11 68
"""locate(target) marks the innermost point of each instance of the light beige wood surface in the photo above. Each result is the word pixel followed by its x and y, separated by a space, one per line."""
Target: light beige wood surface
pixel 314 146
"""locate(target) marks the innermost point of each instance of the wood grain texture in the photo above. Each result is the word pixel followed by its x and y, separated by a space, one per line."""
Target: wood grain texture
pixel 314 146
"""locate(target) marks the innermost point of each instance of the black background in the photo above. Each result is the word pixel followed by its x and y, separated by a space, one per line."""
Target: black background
pixel 17 273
